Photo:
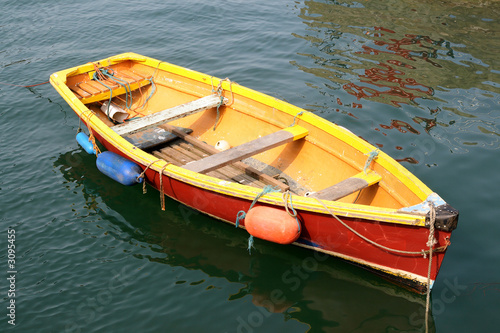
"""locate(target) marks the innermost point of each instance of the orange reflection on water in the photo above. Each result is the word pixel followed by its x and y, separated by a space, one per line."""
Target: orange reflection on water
pixel 390 78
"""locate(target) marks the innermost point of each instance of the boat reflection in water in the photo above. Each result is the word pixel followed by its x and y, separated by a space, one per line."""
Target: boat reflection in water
pixel 306 286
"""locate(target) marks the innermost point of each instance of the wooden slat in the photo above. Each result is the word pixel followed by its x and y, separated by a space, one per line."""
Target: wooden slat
pixel 248 149
pixel 240 165
pixel 98 95
pixel 80 93
pixel 98 86
pixel 348 186
pixel 88 88
pixel 167 115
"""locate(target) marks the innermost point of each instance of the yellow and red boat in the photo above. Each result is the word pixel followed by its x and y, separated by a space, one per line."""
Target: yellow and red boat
pixel 240 156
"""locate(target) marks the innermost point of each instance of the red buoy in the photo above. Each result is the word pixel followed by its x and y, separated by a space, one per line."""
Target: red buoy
pixel 272 224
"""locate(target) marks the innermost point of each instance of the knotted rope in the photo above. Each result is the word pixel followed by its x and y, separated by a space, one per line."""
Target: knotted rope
pixel 219 91
pixel 94 144
pixel 241 214
pixel 371 156
pixel 430 243
pixel 142 175
pixel 162 195
pixel 295 118
pixel 286 197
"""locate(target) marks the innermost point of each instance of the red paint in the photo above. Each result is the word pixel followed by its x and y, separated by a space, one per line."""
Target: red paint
pixel 322 231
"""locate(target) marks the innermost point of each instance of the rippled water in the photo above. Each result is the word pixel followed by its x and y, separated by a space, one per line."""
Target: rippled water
pixel 420 79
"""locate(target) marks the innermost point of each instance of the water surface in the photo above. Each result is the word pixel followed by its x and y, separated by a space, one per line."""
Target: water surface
pixel 419 79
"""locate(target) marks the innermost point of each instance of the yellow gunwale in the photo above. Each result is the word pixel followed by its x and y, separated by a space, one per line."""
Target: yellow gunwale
pixel 58 81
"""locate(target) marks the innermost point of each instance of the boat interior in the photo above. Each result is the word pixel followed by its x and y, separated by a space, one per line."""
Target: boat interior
pixel 235 138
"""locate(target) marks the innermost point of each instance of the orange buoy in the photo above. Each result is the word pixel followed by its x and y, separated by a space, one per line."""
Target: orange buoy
pixel 272 224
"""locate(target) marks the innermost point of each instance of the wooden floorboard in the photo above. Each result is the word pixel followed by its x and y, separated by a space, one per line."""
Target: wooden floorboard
pixel 182 153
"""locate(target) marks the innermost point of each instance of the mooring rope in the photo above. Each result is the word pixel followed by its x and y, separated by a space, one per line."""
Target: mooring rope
pixel 219 91
pixel 430 243
pixel 422 252
pixel 162 194
pixel 371 156
pixel 92 139
pixel 241 214
pixel 143 175
pixel 21 86
pixel 287 196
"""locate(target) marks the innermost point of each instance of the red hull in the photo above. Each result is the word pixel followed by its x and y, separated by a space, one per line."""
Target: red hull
pixel 321 232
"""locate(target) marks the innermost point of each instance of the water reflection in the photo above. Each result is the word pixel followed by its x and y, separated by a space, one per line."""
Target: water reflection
pixel 433 65
pixel 289 282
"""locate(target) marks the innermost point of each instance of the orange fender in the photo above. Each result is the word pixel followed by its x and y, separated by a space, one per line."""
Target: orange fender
pixel 272 224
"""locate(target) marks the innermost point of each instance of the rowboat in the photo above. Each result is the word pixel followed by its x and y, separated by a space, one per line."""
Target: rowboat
pixel 282 173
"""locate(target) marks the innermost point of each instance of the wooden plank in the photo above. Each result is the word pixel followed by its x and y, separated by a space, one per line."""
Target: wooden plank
pixel 234 173
pixel 240 165
pixel 117 90
pixel 180 158
pixel 348 186
pixel 248 149
pixel 88 88
pixel 97 85
pixel 167 115
pixel 80 93
pixel 153 137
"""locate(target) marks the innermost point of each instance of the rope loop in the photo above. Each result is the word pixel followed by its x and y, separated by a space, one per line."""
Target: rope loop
pixel 430 243
pixel 143 176
pixel 162 194
pixel 219 92
pixel 287 196
pixel 241 214
pixel 371 156
pixel 94 144
pixel 295 118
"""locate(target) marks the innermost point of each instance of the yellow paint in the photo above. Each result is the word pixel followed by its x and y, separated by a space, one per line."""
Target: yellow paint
pixel 370 176
pixel 284 113
pixel 297 131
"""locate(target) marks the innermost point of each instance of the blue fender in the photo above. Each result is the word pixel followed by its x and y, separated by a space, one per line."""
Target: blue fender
pixel 84 141
pixel 119 168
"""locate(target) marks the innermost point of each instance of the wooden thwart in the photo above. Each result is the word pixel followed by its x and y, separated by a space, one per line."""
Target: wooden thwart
pixel 211 150
pixel 167 115
pixel 348 186
pixel 247 149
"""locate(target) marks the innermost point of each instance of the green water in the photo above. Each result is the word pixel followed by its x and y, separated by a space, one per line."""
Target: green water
pixel 419 79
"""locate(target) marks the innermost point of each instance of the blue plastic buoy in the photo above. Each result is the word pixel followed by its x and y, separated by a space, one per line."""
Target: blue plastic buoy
pixel 118 168
pixel 84 142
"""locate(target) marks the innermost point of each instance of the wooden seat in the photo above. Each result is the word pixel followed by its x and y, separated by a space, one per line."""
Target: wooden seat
pixel 92 90
pixel 176 112
pixel 248 170
pixel 248 149
pixel 348 186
